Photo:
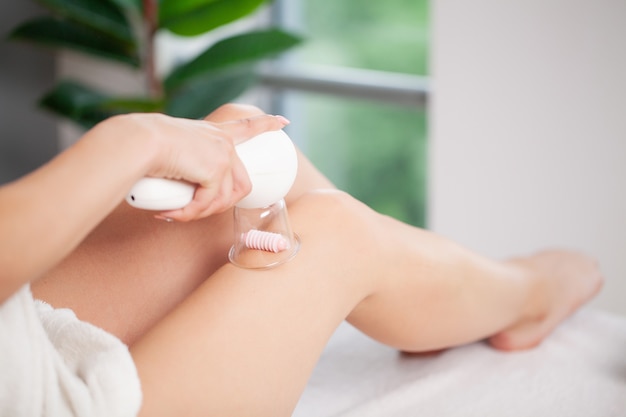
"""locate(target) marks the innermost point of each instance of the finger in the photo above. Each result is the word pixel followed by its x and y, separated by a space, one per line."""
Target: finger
pixel 202 199
pixel 222 199
pixel 234 185
pixel 244 129
pixel 233 111
pixel 241 181
pixel 192 211
pixel 208 201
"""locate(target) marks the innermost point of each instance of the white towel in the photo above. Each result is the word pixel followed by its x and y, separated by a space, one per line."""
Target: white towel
pixel 52 364
pixel 579 371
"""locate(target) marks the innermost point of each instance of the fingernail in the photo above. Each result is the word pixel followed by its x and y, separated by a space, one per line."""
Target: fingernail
pixel 164 218
pixel 283 120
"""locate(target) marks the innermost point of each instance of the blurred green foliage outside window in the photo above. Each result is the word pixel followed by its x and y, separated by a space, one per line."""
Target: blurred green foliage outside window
pixel 374 150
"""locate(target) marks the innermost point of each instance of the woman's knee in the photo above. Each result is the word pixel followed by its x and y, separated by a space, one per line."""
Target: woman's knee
pixel 337 217
pixel 328 203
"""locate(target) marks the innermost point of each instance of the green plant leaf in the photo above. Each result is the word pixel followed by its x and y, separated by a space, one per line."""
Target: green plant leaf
pixel 198 17
pixel 65 34
pixel 237 50
pixel 87 106
pixel 170 9
pixel 124 105
pixel 101 15
pixel 75 102
pixel 128 4
pixel 199 98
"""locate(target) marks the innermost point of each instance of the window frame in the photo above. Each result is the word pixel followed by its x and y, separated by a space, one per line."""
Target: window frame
pixel 396 88
pixel 346 82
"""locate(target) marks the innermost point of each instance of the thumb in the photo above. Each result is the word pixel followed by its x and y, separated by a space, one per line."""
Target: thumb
pixel 244 129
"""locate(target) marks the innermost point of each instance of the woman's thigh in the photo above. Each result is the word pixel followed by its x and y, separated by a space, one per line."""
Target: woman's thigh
pixel 245 342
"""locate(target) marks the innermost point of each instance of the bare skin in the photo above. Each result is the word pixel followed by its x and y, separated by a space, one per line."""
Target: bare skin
pixel 569 275
pixel 244 342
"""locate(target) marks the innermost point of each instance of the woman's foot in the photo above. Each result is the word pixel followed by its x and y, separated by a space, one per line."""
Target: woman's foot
pixel 563 281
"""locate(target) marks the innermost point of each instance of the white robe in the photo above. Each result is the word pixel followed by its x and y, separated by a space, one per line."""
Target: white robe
pixel 52 364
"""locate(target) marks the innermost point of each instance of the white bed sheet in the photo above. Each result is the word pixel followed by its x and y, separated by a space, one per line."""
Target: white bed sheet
pixel 580 370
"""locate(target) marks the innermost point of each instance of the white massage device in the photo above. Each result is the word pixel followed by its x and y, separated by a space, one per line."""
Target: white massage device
pixel 263 236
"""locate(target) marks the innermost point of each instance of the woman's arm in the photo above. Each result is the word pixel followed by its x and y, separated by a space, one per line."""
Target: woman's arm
pixel 46 214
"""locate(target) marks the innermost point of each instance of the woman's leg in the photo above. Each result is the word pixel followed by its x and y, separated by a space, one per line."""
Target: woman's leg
pixel 249 339
pixel 245 342
pixel 133 269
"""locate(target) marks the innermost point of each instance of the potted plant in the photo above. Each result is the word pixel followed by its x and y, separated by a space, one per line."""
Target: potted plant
pixel 124 31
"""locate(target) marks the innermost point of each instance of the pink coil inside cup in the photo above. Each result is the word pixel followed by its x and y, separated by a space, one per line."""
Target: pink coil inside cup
pixel 267 241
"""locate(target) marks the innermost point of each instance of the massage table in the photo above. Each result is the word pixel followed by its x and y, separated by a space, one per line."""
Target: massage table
pixel 578 371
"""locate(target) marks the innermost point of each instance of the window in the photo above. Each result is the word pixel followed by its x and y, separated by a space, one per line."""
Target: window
pixel 356 92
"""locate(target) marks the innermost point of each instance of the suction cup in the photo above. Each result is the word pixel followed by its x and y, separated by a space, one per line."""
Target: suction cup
pixel 263 237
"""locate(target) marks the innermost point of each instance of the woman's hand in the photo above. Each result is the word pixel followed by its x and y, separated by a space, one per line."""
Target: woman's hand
pixel 48 212
pixel 202 153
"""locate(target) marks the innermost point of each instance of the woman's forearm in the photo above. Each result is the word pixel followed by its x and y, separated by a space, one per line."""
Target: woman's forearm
pixel 44 215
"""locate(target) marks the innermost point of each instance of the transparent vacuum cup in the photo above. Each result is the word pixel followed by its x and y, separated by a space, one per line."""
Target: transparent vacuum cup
pixel 263 237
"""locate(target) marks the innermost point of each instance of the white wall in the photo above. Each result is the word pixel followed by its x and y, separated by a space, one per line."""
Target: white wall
pixel 528 129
